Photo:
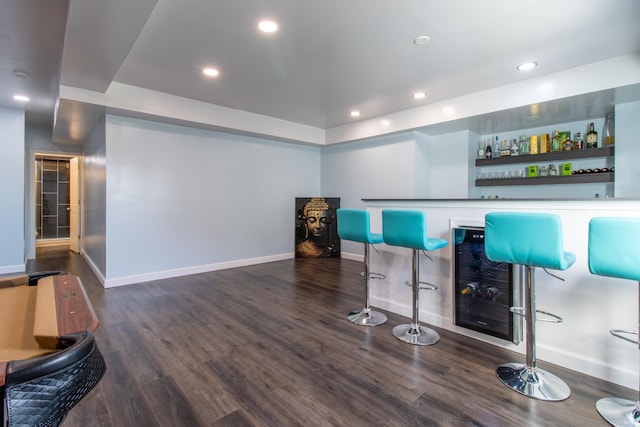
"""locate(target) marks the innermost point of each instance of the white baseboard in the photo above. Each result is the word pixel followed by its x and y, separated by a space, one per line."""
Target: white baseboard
pixel 352 257
pixel 94 268
pixel 167 274
pixel 10 269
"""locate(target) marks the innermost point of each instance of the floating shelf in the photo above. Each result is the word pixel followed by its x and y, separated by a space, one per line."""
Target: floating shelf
pixel 585 178
pixel 547 157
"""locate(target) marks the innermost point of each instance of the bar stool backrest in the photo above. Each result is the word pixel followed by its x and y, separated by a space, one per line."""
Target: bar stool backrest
pixel 354 224
pixel 526 238
pixel 614 247
pixel 408 228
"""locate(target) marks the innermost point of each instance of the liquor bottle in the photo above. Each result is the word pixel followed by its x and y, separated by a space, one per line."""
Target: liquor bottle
pixel 578 144
pixel 608 130
pixel 592 137
pixel 470 288
pixel 555 142
pixel 504 149
pixel 496 148
pixel 524 144
pixel 544 143
pixel 515 147
pixel 568 145
pixel 487 151
pixel 533 144
pixel 480 150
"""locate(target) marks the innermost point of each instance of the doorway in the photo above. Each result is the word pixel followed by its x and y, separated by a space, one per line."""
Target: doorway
pixel 56 201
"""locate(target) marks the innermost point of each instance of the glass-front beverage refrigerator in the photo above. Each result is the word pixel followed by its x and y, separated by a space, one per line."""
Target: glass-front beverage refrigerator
pixel 484 290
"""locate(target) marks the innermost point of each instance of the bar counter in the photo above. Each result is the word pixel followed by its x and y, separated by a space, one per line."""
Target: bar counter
pixel 590 305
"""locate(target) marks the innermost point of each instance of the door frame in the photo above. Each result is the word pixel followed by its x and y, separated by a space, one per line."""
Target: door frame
pixel 30 208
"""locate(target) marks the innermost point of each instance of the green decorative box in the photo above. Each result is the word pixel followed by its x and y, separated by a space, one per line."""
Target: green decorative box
pixel 532 171
pixel 566 169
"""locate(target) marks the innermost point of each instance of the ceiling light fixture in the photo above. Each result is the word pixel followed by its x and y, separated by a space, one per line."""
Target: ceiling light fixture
pixel 527 66
pixel 419 95
pixel 355 113
pixel 421 40
pixel 385 122
pixel 210 72
pixel 268 26
pixel 21 98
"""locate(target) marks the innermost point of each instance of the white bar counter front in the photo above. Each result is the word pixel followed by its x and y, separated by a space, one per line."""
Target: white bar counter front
pixel 590 305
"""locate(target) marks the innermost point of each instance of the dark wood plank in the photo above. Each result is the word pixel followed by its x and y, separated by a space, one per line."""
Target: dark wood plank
pixel 270 345
pixel 74 311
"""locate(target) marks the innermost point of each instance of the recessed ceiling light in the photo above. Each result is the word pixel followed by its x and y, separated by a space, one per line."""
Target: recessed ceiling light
pixel 21 98
pixel 211 72
pixel 268 26
pixel 421 40
pixel 419 95
pixel 385 122
pixel 527 66
pixel 355 113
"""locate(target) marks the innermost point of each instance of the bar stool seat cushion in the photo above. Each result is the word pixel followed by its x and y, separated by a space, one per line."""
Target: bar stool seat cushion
pixel 614 247
pixel 408 228
pixel 354 225
pixel 525 238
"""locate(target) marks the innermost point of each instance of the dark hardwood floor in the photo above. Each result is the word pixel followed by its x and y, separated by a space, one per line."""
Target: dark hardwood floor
pixel 269 345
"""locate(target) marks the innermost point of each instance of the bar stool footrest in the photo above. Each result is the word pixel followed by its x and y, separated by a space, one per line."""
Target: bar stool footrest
pixel 429 287
pixel 533 382
pixel 374 276
pixel 622 334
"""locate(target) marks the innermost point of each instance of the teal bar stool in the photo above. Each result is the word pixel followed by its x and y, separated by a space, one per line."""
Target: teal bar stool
pixel 408 229
pixel 530 240
pixel 354 225
pixel 614 251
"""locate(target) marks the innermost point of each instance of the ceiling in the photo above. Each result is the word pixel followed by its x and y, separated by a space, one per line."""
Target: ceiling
pixel 326 59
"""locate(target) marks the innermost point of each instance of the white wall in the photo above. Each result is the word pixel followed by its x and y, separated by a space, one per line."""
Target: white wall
pixel 94 201
pixel 12 178
pixel 627 134
pixel 447 165
pixel 181 200
pixel 377 168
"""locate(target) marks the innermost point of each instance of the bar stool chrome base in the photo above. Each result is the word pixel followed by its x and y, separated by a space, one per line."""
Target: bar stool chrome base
pixel 619 412
pixel 416 334
pixel 367 317
pixel 533 382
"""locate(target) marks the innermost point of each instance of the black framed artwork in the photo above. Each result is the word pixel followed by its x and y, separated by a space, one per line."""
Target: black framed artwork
pixel 316 234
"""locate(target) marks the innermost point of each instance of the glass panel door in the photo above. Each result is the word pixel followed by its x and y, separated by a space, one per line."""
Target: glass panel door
pixel 52 198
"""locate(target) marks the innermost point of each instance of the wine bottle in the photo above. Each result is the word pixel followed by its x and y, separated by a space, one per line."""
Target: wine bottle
pixel 480 150
pixel 492 293
pixel 470 288
pixel 592 137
